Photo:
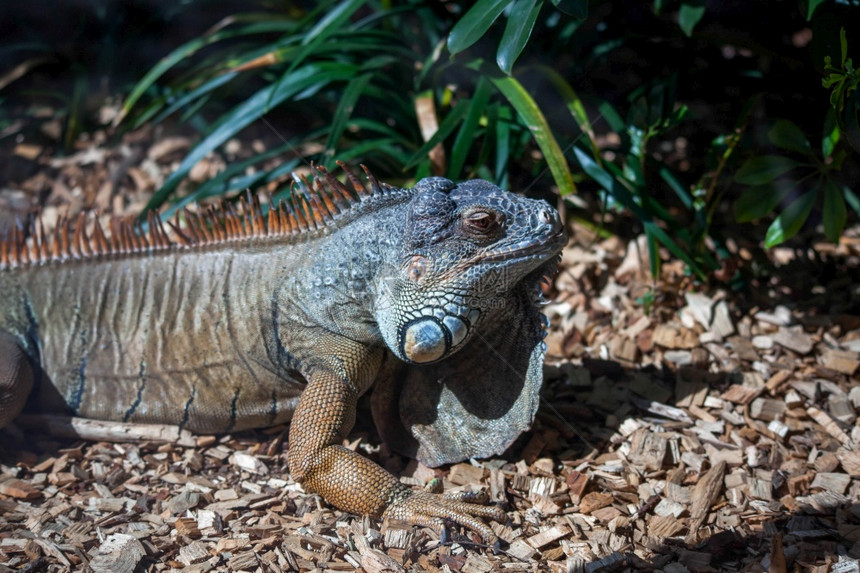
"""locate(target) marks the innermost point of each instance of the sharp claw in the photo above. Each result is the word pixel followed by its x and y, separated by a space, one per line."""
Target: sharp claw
pixel 433 510
pixel 434 486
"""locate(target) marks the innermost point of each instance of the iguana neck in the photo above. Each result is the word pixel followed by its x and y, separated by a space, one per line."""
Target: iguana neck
pixel 340 276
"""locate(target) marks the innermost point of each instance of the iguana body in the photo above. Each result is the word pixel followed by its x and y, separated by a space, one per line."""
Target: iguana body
pixel 243 321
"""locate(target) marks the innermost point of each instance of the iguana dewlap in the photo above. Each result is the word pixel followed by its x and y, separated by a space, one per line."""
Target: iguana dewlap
pixel 245 320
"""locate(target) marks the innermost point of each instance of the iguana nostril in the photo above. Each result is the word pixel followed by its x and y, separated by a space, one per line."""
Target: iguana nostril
pixel 545 216
pixel 424 341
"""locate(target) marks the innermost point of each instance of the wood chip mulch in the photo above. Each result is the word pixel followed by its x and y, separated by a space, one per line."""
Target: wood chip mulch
pixel 679 431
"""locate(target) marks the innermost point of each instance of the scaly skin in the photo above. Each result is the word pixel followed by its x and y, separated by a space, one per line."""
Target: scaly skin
pixel 429 294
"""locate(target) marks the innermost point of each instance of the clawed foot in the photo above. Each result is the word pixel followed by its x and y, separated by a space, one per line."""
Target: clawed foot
pixel 463 508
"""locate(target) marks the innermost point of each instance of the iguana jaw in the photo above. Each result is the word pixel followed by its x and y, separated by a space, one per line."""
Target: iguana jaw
pixel 434 335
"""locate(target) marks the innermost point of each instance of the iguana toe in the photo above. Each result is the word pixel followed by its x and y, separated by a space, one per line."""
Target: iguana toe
pixel 433 510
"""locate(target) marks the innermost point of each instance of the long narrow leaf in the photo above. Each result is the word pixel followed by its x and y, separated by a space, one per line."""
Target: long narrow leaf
pixel 401 135
pixel 185 100
pixel 234 179
pixel 576 8
pixel 466 136
pixel 534 119
pixel 653 251
pixel 607 181
pixel 518 29
pixel 333 19
pixel 329 25
pixel 182 53
pixel 652 229
pixel 451 121
pixel 375 147
pixel 833 213
pixel 348 98
pixel 625 198
pixel 335 24
pixel 611 116
pixel 474 24
pixel 851 198
pixel 502 128
pixel 310 77
pixel 571 99
pixel 676 186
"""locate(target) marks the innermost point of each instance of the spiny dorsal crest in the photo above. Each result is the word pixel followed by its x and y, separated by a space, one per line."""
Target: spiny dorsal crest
pixel 313 205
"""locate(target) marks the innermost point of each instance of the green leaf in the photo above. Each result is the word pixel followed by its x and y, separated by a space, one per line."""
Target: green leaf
pixel 833 214
pixel 653 250
pixel 451 121
pixel 518 29
pixel 757 202
pixel 315 40
pixel 233 178
pixel 348 98
pixel 612 117
pixel 303 82
pixel 791 220
pixel 652 230
pixel 831 133
pixel 787 135
pixel 606 180
pixel 571 99
pixel 373 126
pixel 689 15
pixel 811 6
pixel 764 169
pixel 625 198
pixel 851 198
pixel 576 8
pixel 502 128
pixel 331 21
pixel 475 24
pixel 185 51
pixel 534 119
pixel 851 120
pixel 843 43
pixel 682 192
pixel 161 67
pixel 466 136
pixel 374 147
pixel 184 101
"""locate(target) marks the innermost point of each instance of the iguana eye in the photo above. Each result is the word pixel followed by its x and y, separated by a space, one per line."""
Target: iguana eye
pixel 480 222
pixel 416 268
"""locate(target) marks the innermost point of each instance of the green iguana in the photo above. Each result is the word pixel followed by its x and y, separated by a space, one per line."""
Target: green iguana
pixel 240 320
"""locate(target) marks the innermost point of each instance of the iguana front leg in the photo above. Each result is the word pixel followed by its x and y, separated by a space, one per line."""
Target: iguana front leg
pixel 324 416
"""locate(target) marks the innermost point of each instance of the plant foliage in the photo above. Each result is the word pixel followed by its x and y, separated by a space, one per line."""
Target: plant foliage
pixel 509 89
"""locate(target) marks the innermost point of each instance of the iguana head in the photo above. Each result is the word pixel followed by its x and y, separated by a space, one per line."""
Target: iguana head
pixel 465 246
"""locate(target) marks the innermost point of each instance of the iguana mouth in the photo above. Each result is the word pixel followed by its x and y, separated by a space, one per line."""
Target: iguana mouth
pixel 524 249
pixel 547 246
pixel 544 248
